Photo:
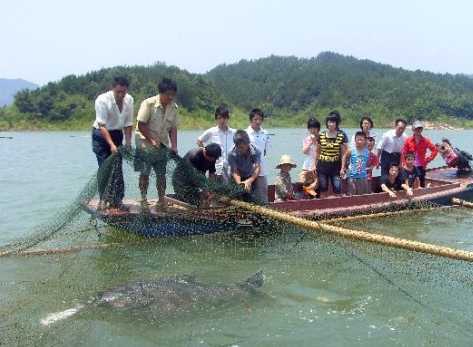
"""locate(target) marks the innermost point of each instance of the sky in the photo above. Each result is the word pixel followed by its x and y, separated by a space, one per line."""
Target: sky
pixel 46 40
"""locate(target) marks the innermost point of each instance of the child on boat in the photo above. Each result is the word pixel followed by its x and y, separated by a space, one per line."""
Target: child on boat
pixel 308 176
pixel 283 183
pixel 373 160
pixel 455 157
pixel 357 160
pixel 394 181
pixel 409 171
pixel 245 164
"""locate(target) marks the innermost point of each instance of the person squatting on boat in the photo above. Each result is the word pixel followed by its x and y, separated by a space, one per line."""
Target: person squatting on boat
pixel 245 165
pixel 395 181
pixel 189 180
pixel 113 119
pixel 284 189
pixel 455 157
pixel 156 129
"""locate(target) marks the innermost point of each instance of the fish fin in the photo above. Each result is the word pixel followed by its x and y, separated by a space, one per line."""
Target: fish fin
pixel 254 281
pixel 57 316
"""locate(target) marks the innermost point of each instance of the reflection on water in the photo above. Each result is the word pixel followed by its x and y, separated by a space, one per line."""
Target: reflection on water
pixel 318 290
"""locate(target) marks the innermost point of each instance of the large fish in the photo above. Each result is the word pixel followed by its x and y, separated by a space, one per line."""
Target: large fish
pixel 166 295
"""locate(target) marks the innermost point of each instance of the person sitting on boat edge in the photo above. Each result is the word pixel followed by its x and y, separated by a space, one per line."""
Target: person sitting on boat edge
pixel 188 180
pixel 329 152
pixel 113 119
pixel 308 175
pixel 455 157
pixel 245 164
pixel 357 161
pixel 157 127
pixel 222 135
pixel 394 181
pixel 390 146
pixel 419 144
pixel 373 160
pixel 259 138
pixel 409 171
pixel 283 184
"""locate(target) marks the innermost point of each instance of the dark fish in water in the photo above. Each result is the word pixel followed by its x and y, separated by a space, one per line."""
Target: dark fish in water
pixel 166 295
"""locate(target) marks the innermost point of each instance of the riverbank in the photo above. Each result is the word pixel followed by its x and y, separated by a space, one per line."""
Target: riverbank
pixel 11 121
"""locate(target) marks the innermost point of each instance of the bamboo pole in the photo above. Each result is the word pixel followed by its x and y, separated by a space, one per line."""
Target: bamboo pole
pixel 461 202
pixel 357 234
pixel 384 214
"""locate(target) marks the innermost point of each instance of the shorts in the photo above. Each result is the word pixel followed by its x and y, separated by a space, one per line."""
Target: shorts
pixel 150 158
pixel 358 186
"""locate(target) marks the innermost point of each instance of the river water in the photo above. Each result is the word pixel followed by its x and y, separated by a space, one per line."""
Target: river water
pixel 319 290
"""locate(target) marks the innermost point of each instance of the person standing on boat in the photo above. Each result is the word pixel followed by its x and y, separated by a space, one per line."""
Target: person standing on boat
pixel 357 161
pixel 419 144
pixel 221 134
pixel 245 164
pixel 113 119
pixel 332 146
pixel 155 132
pixel 261 140
pixel 366 126
pixel 390 146
pixel 308 175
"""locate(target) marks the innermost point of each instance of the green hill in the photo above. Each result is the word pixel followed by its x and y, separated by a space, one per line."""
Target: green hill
pixel 288 88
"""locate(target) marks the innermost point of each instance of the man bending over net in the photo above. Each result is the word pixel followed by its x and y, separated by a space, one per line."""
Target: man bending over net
pixel 189 181
pixel 157 126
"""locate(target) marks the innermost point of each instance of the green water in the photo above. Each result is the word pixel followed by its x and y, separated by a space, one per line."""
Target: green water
pixel 319 290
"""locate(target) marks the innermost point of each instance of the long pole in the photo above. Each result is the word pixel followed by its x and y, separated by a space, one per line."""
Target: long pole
pixel 390 241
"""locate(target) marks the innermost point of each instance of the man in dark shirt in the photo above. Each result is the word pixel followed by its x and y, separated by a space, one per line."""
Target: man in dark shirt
pixel 189 181
pixel 409 172
pixel 395 181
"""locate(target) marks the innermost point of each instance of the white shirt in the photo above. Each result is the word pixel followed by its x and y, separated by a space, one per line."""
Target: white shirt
pixel 309 162
pixel 225 140
pixel 260 139
pixel 391 143
pixel 108 113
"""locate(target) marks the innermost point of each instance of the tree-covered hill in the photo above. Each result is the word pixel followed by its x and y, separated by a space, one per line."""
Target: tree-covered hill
pixel 289 88
pixel 330 80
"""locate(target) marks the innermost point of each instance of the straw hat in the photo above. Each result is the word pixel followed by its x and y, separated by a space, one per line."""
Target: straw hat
pixel 286 159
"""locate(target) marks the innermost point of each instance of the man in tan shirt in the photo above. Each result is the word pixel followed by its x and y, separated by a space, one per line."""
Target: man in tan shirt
pixel 156 128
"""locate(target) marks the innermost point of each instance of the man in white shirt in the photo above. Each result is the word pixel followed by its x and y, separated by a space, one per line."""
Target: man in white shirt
pixel 390 146
pixel 113 119
pixel 260 139
pixel 221 134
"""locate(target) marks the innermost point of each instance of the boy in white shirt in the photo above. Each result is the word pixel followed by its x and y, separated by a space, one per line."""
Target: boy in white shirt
pixel 260 139
pixel 221 134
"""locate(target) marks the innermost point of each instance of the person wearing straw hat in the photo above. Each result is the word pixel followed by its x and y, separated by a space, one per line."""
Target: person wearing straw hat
pixel 283 183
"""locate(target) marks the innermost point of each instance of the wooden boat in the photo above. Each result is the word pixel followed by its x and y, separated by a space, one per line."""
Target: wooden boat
pixel 183 219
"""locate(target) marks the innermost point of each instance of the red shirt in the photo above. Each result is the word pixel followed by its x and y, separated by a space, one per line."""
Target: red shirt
pixel 420 150
pixel 372 162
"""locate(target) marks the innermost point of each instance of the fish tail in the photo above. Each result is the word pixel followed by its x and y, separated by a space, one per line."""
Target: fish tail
pixel 58 316
pixel 255 281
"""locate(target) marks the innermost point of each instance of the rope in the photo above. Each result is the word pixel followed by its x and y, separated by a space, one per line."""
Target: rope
pixel 462 203
pixel 390 241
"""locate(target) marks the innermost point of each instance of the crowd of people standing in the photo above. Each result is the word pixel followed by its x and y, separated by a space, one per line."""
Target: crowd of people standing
pixel 225 154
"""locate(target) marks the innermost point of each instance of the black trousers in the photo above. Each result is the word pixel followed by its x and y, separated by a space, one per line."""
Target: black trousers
pixel 421 173
pixel 387 159
pixel 111 185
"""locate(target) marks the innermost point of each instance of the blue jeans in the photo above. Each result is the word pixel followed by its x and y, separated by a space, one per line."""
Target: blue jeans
pixel 111 185
pixel 334 180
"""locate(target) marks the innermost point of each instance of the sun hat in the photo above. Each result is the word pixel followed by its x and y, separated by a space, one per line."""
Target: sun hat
pixel 286 159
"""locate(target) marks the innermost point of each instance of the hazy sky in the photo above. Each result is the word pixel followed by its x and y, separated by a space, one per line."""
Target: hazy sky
pixel 46 40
